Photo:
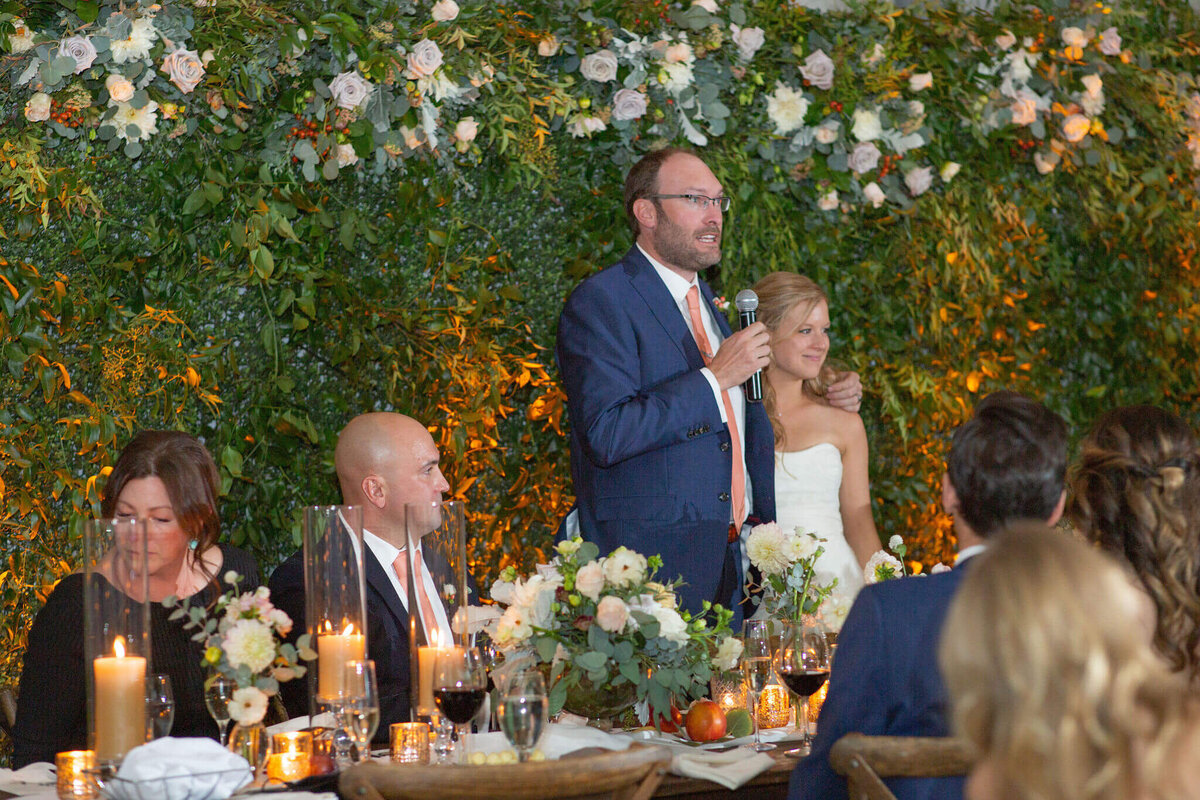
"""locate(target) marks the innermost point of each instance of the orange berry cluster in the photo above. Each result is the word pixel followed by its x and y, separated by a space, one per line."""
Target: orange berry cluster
pixel 64 115
pixel 889 164
pixel 310 129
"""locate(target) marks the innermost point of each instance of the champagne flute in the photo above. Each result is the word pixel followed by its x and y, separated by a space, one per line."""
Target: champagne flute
pixel 523 711
pixel 218 691
pixel 756 668
pixel 802 663
pixel 361 706
pixel 459 686
pixel 160 705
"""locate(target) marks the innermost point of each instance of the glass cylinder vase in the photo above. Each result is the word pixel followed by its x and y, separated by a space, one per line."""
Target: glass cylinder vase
pixel 116 620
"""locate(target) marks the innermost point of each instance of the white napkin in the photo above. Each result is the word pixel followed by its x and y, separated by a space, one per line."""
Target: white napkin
pixel 35 780
pixel 197 767
pixel 557 741
pixel 324 720
pixel 731 769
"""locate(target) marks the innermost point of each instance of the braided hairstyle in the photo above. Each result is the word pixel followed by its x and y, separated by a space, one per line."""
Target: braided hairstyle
pixel 1136 493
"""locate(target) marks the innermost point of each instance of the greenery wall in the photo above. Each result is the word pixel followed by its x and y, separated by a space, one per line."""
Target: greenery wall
pixel 204 227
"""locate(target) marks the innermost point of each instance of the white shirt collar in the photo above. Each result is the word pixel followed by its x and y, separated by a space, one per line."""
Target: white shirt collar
pixel 967 552
pixel 677 285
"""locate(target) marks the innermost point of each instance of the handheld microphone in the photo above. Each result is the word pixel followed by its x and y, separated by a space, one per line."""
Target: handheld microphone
pixel 747 306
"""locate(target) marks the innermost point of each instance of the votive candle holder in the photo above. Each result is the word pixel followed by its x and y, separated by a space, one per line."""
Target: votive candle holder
pixel 74 781
pixel 410 743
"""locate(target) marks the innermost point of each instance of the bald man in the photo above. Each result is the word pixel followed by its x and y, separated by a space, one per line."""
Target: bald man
pixel 383 461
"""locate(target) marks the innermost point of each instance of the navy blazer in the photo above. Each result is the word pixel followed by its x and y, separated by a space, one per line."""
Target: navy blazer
pixel 387 638
pixel 650 457
pixel 886 682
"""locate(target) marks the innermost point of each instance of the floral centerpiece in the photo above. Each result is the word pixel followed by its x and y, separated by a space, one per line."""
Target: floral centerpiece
pixel 606 625
pixel 787 562
pixel 242 641
pixel 883 566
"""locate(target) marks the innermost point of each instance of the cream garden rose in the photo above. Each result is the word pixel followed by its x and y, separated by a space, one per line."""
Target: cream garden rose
pixel 827 132
pixel 949 170
pixel 1006 40
pixel 728 653
pixel 424 59
pixel 589 580
pixel 1075 127
pixel 184 69
pixel 1074 37
pixel 600 66
pixel 611 614
pixel 1045 162
pixel 863 158
pixel 873 194
pixel 629 104
pixel 548 46
pixel 679 53
pixel 37 107
pixel 867 126
pixel 920 81
pixel 350 90
pixel 624 567
pixel 817 69
pixel 748 41
pixel 676 77
pixel 79 48
pixel 444 10
pixel 828 201
pixel 786 108
pixel 346 157
pixel 1110 42
pixel 670 625
pixel 919 180
pixel 466 129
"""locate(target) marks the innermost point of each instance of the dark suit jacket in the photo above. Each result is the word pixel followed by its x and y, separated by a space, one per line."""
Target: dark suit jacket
pixel 387 638
pixel 650 457
pixel 885 681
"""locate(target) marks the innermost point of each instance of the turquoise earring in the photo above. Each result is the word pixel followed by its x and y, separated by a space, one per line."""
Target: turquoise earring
pixel 193 544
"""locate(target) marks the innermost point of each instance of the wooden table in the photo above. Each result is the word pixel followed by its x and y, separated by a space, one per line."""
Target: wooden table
pixel 769 785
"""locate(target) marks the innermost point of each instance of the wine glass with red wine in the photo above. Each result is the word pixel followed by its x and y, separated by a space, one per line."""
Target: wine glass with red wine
pixel 802 663
pixel 459 686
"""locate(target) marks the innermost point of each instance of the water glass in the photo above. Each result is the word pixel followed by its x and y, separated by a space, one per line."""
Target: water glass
pixel 523 711
pixel 218 691
pixel 160 705
pixel 360 706
pixel 756 669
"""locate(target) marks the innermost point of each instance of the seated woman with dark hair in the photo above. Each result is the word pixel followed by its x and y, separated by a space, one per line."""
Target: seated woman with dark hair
pixel 1136 493
pixel 169 479
pixel 1047 659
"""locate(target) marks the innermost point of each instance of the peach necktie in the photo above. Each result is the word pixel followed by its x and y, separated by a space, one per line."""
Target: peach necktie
pixel 428 619
pixel 706 351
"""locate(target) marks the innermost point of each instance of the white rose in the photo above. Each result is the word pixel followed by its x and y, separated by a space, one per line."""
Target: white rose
pixel 828 201
pixel 465 131
pixel 863 158
pixel 37 107
pixel 589 580
pixel 1075 127
pixel 786 108
pixel 137 45
pixel 628 104
pixel 766 546
pixel 1045 163
pixel 818 70
pixel 548 46
pixel 827 131
pixel 1110 42
pixel 184 69
pixel 1024 109
pixel 600 66
pixel 611 614
pixel 350 90
pixel 346 157
pixel 679 53
pixel 1006 40
pixel 728 653
pixel 144 119
pixel 676 77
pixel 748 41
pixel 248 706
pixel 424 59
pixel 919 180
pixel 949 170
pixel 1074 37
pixel 867 126
pixel 708 5
pixel 625 568
pixel 21 39
pixel 79 48
pixel 920 81
pixel 444 10
pixel 873 194
pixel 670 625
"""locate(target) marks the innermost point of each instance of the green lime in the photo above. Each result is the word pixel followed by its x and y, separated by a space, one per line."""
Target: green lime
pixel 738 723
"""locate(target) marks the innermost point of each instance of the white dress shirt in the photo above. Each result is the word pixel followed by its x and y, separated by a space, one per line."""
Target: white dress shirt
pixel 386 552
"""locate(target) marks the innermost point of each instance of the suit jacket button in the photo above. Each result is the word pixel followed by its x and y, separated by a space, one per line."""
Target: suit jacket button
pixel 723 497
pixel 705 429
pixel 724 447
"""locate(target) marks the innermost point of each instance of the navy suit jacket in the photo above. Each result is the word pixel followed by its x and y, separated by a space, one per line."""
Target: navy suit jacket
pixel 387 638
pixel 650 457
pixel 886 682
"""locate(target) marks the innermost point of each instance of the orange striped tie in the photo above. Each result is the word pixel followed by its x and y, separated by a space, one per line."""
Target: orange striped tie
pixel 739 476
pixel 428 619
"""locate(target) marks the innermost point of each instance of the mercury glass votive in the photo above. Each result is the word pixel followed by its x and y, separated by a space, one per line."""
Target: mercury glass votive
pixel 291 756
pixel 728 691
pixel 774 707
pixel 74 782
pixel 410 743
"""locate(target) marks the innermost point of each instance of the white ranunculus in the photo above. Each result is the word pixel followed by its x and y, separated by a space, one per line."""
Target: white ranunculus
pixel 350 90
pixel 611 614
pixel 676 77
pixel 1075 127
pixel 1006 40
pixel 79 48
pixel 548 46
pixel 145 119
pixel 137 45
pixel 625 568
pixel 248 706
pixel 1110 42
pixel 920 81
pixel 828 201
pixel 817 69
pixel 919 180
pixel 748 41
pixel 37 107
pixel 679 53
pixel 589 580
pixel 670 625
pixel 827 132
pixel 120 88
pixel 949 170
pixel 600 66
pixel 874 195
pixel 249 643
pixel 346 157
pixel 767 549
pixel 424 59
pixel 629 104
pixel 728 653
pixel 184 69
pixel 21 39
pixel 867 126
pixel 444 10
pixel 863 158
pixel 1074 37
pixel 786 108
pixel 465 131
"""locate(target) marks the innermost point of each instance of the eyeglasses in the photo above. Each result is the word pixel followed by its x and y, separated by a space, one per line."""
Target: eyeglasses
pixel 698 201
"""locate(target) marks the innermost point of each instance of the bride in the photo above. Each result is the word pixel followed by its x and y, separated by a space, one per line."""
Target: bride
pixel 821 480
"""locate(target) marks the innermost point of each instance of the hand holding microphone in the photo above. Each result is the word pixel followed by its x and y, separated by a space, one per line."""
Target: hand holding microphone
pixel 747 306
pixel 742 356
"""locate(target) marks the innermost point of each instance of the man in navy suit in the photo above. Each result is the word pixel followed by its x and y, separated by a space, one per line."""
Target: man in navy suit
pixel 383 461
pixel 1006 464
pixel 666 455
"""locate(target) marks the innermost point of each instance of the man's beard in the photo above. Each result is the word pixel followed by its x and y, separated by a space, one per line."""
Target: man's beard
pixel 678 246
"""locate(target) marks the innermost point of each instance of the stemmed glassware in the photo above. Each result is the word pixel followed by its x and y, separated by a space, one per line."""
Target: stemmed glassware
pixel 459 686
pixel 360 705
pixel 756 669
pixel 160 705
pixel 802 663
pixel 218 691
pixel 523 711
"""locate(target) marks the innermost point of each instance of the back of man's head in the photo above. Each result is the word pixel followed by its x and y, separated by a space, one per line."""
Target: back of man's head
pixel 1008 463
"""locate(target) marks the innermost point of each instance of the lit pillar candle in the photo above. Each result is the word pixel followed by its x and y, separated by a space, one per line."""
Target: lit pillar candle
pixel 333 651
pixel 120 695
pixel 426 664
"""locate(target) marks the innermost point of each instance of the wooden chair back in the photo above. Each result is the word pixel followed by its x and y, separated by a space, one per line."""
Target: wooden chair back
pixel 866 760
pixel 631 774
pixel 8 709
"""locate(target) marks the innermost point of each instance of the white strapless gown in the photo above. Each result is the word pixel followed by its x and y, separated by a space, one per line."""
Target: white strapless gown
pixel 807 483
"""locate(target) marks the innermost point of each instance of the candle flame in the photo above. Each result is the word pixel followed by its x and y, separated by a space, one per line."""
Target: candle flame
pixel 119 647
pixel 349 629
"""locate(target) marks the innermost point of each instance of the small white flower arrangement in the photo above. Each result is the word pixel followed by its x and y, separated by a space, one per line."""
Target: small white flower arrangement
pixel 787 562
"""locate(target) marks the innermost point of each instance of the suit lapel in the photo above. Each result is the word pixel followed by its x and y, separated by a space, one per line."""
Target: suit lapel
pixel 381 584
pixel 718 315
pixel 662 306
